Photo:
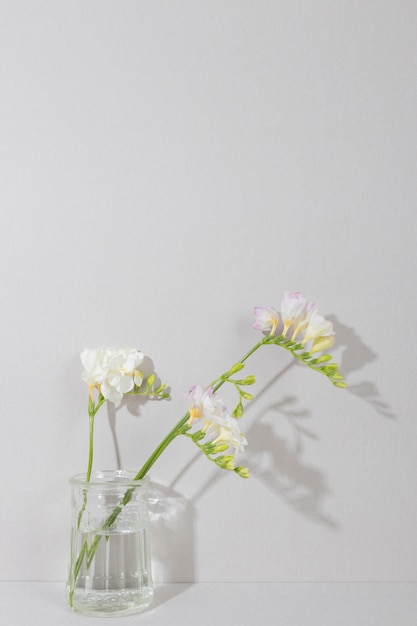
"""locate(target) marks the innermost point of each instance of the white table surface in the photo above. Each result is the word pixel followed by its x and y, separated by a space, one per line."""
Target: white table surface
pixel 251 604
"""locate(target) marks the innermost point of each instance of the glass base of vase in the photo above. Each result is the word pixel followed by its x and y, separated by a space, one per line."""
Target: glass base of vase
pixel 111 602
pixel 110 559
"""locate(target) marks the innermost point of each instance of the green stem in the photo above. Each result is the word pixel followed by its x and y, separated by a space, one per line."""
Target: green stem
pixel 164 444
pixel 242 360
pixel 77 568
pixel 91 448
pixel 216 384
pixel 92 410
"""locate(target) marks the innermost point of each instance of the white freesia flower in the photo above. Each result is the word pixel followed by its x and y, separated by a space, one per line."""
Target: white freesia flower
pixel 292 306
pixel 204 403
pixel 267 319
pixel 95 365
pixel 113 371
pixel 318 328
pixel 296 311
pixel 226 430
pixel 302 322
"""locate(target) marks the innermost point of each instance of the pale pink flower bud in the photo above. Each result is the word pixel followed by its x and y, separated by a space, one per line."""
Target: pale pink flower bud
pixel 267 319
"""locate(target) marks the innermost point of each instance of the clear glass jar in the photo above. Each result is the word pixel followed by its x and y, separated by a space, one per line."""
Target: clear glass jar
pixel 110 560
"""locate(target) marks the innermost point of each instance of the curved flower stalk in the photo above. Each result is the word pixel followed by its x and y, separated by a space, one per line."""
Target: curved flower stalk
pixel 110 373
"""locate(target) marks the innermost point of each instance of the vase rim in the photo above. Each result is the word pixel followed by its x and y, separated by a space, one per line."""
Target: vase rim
pixel 116 477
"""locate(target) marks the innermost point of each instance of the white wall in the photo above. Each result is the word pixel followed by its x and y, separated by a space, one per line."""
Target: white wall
pixel 165 167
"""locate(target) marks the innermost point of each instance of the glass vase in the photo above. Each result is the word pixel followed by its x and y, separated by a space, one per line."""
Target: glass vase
pixel 110 562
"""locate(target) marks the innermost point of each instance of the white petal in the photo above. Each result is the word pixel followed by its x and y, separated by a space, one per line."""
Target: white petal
pixel 125 384
pixel 110 393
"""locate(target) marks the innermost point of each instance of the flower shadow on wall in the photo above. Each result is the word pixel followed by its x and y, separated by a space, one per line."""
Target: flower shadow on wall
pixel 276 456
pixel 277 437
pixel 356 356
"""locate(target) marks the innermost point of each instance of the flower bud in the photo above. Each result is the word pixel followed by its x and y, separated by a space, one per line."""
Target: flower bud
pixel 243 472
